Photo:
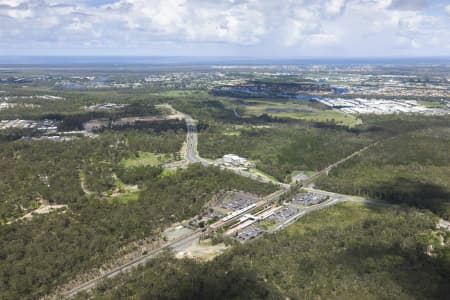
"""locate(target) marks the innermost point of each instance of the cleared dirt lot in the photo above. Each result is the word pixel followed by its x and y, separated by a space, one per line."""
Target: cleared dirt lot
pixel 201 250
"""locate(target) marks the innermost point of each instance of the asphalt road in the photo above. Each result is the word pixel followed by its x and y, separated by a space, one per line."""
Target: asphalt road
pixel 305 211
pixel 335 198
pixel 191 154
pixel 177 245
pixel 184 242
pixel 349 197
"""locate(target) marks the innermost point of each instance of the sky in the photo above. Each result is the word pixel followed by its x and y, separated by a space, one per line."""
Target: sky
pixel 247 28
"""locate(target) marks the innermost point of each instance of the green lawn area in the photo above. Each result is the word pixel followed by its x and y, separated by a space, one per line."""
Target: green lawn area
pixel 147 159
pixel 299 111
pixel 433 104
pixel 322 116
pixel 167 172
pixel 122 192
pixel 125 198
pixel 261 173
pixel 267 224
pixel 340 216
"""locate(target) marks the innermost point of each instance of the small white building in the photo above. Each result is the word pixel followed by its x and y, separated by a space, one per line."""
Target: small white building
pixel 234 160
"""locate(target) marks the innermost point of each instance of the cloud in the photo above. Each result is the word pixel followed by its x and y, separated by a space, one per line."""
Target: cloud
pixel 12 3
pixel 409 4
pixel 243 27
pixel 447 8
pixel 335 7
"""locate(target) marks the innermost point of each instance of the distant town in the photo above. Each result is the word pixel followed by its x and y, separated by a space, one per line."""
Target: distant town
pixel 381 106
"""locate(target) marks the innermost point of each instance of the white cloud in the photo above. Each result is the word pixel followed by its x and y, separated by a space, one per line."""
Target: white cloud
pixel 334 7
pixel 188 27
pixel 19 13
pixel 12 3
pixel 447 8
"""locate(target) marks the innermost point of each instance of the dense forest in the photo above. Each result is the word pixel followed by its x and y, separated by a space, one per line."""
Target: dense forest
pixel 51 170
pixel 350 256
pixel 36 255
pixel 74 105
pixel 112 203
pixel 412 169
pixel 281 149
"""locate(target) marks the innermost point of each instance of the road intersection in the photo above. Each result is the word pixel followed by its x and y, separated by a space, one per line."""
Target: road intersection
pixel 182 243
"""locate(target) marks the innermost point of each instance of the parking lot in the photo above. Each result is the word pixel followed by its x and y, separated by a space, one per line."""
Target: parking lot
pixel 284 214
pixel 233 201
pixel 42 125
pixel 249 233
pixel 308 199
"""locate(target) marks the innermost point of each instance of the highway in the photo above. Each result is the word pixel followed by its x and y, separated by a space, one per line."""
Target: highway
pixel 178 245
pixel 305 211
pixel 182 243
pixel 191 154
pixel 349 197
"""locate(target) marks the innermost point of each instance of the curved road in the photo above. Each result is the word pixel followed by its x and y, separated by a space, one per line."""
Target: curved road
pixel 183 242
pixel 191 154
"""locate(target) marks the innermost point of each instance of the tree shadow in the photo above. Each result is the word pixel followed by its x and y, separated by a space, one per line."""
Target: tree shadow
pixel 420 276
pixel 170 278
pixel 415 193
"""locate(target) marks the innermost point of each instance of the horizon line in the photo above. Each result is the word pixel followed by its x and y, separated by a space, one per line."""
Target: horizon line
pixel 225 56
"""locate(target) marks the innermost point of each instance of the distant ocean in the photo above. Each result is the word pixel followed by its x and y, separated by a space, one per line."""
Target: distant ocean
pixel 195 60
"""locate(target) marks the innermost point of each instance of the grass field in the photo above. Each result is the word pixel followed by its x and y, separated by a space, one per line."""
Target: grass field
pixel 433 104
pixel 262 174
pixel 167 172
pixel 295 110
pixel 125 198
pixel 340 216
pixel 267 224
pixel 147 159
